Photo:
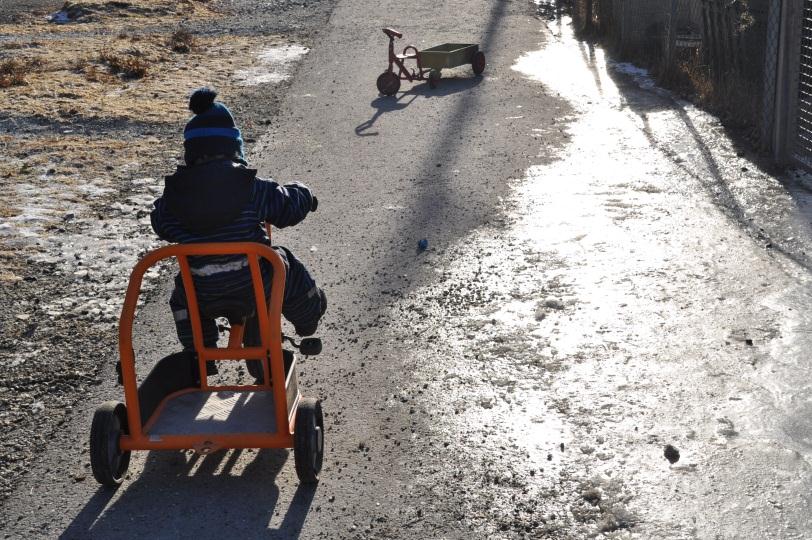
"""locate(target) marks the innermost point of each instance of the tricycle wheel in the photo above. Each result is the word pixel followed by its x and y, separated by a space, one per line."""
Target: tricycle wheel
pixel 388 83
pixel 107 460
pixel 434 78
pixel 308 440
pixel 478 62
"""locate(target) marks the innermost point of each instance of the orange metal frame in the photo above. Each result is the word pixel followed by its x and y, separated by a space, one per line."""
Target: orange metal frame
pixel 269 352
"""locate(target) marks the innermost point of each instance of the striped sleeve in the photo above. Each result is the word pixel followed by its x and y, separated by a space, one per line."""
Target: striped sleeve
pixel 282 206
pixel 158 220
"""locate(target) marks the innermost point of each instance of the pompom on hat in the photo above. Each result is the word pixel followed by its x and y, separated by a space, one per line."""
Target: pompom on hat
pixel 211 132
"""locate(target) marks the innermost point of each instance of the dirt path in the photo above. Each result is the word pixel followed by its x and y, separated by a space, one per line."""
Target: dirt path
pixel 606 274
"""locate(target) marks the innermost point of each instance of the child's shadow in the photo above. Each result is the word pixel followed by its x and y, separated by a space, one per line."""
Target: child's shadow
pixel 196 496
pixel 385 104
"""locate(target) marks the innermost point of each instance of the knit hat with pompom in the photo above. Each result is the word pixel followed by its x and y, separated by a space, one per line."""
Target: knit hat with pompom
pixel 211 131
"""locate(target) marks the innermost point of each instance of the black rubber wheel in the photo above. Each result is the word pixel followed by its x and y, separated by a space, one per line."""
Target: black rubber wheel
pixel 434 78
pixel 388 83
pixel 108 462
pixel 478 63
pixel 308 440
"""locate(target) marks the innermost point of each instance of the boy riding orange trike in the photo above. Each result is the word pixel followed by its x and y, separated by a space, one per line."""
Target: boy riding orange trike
pixel 175 407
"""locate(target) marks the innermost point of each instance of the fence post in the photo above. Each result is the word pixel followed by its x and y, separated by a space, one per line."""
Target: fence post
pixel 671 44
pixel 771 63
pixel 786 99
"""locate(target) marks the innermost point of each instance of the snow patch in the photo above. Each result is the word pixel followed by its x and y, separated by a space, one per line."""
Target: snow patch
pixel 641 76
pixel 275 65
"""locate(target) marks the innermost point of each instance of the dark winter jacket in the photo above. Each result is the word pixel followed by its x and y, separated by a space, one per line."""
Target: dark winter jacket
pixel 224 201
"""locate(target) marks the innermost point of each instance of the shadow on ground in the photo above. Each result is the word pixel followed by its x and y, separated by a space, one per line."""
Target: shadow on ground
pixel 177 495
pixel 386 104
pixel 735 188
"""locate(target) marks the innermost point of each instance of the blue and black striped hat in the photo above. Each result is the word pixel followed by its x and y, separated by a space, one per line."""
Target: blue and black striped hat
pixel 211 131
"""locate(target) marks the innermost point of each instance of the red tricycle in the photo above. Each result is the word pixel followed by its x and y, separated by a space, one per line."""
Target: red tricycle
pixel 429 63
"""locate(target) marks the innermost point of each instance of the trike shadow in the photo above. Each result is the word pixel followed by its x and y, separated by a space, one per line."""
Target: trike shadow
pixel 199 496
pixel 398 102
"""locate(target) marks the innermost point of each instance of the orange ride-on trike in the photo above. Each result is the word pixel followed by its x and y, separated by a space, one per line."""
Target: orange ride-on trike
pixel 430 62
pixel 175 408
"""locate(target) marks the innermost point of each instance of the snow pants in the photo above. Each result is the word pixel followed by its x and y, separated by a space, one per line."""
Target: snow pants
pixel 303 305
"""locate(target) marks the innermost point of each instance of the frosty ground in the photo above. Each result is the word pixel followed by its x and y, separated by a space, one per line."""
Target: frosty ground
pixel 607 274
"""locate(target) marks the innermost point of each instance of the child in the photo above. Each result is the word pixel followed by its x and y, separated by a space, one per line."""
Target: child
pixel 217 198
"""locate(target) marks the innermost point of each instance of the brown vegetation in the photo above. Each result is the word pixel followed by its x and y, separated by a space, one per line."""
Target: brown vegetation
pixel 182 41
pixel 14 70
pixel 129 64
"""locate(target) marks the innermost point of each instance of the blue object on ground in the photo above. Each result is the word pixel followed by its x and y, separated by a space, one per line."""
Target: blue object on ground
pixel 423 244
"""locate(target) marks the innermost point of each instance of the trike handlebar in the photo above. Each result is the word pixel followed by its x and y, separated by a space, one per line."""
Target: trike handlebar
pixel 392 33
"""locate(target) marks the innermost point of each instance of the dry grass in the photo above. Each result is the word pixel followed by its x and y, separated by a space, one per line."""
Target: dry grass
pixel 13 71
pixel 122 67
pixel 73 64
pixel 182 41
pixel 128 64
pixel 72 157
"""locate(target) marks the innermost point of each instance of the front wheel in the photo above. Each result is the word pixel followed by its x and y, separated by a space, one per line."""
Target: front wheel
pixel 388 83
pixel 478 63
pixel 308 440
pixel 108 462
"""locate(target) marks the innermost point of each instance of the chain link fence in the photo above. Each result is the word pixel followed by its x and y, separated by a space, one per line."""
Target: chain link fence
pixel 802 143
pixel 723 54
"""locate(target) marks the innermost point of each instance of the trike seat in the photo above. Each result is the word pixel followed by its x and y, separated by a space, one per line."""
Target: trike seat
pixel 392 33
pixel 406 56
pixel 233 309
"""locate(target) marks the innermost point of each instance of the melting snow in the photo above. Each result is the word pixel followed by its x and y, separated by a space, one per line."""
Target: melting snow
pixel 275 65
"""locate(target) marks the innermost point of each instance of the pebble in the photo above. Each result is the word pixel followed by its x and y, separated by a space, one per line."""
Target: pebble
pixel 671 454
pixel 554 303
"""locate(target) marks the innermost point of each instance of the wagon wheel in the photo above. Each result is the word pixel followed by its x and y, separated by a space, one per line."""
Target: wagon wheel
pixel 388 83
pixel 434 78
pixel 308 440
pixel 107 460
pixel 478 63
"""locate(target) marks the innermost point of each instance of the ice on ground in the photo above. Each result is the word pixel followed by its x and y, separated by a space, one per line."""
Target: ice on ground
pixel 275 65
pixel 71 228
pixel 640 75
pixel 60 17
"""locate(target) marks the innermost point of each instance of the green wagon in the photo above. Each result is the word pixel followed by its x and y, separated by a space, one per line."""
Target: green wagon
pixel 430 62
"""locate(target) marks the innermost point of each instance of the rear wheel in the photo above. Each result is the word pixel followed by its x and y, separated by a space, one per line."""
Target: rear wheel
pixel 388 83
pixel 108 462
pixel 434 78
pixel 478 63
pixel 308 440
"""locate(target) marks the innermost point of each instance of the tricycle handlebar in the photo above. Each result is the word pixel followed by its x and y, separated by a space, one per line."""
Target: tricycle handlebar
pixel 392 33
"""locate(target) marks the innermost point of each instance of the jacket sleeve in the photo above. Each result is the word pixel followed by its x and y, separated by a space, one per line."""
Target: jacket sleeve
pixel 282 206
pixel 158 220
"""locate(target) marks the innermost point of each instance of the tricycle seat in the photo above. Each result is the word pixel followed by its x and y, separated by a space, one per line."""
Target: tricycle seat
pixel 406 56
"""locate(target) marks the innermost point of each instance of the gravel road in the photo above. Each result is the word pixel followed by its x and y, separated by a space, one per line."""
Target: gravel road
pixel 607 275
